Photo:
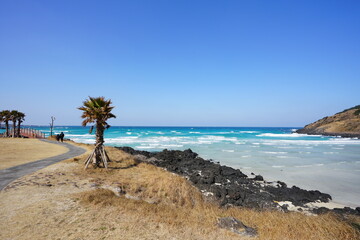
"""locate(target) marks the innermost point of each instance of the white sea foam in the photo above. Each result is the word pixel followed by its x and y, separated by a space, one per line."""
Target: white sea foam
pixel 80 135
pixel 282 135
pixel 171 146
pixel 269 143
pixel 224 150
pixel 144 147
pixel 277 166
pixel 248 131
pixel 195 132
pixel 246 156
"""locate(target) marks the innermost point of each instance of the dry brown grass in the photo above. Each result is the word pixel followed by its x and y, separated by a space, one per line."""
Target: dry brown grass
pixel 158 205
pixel 166 198
pixel 201 219
pixel 17 151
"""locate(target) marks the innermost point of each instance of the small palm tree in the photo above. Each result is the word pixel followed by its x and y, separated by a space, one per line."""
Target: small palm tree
pixel 98 111
pixel 6 117
pixel 20 119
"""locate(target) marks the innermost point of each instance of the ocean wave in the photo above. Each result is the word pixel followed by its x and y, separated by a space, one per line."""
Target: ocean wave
pixel 283 135
pixel 277 166
pixel 81 135
pixel 248 131
pixel 224 150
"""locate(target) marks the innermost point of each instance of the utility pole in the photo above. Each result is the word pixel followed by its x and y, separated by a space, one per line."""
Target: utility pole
pixel 52 125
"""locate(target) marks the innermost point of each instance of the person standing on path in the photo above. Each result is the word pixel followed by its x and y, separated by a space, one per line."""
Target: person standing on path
pixel 62 136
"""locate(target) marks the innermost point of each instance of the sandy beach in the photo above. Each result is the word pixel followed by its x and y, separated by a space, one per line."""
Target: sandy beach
pixel 134 201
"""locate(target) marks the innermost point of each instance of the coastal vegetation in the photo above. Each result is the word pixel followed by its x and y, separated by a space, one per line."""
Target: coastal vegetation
pixel 16 117
pixel 345 124
pixel 98 111
pixel 137 200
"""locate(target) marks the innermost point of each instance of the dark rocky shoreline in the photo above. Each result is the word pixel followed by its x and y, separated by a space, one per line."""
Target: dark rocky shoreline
pixel 316 132
pixel 230 187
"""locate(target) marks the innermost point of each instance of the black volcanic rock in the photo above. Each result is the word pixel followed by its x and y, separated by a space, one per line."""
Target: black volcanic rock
pixel 229 186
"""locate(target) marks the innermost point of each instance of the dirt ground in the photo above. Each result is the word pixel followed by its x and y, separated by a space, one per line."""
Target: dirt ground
pixel 17 151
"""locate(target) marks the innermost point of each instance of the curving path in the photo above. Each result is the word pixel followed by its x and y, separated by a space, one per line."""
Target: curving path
pixel 10 174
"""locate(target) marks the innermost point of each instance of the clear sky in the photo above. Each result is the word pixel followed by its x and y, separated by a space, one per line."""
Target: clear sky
pixel 181 63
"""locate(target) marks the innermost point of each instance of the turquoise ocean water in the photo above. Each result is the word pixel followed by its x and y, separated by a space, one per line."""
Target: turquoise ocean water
pixel 328 164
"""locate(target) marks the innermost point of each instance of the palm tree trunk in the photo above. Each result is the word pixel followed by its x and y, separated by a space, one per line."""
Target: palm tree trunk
pixel 18 128
pixel 14 127
pixel 7 128
pixel 99 142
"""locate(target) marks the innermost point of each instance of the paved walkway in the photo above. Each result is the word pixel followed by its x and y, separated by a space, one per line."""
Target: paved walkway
pixel 10 174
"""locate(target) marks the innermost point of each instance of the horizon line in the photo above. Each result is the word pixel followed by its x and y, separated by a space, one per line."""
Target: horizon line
pixel 166 126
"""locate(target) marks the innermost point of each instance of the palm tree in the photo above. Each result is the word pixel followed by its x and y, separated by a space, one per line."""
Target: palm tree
pixel 98 111
pixel 21 118
pixel 14 118
pixel 6 116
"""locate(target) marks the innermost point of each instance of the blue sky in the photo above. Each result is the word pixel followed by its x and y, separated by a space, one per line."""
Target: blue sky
pixel 181 63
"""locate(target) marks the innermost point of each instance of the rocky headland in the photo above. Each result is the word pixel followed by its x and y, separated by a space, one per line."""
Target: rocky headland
pixel 230 187
pixel 344 124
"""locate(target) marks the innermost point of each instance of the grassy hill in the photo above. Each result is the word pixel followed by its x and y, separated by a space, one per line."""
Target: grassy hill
pixel 345 124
